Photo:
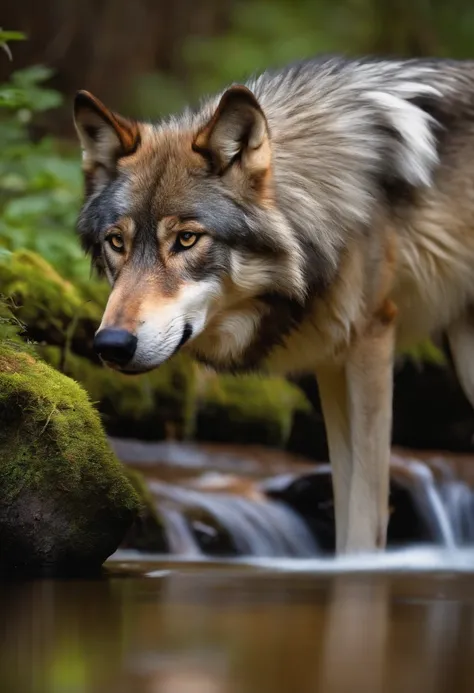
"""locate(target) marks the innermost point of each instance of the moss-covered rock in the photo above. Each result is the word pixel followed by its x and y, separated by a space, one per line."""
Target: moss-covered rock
pixel 53 310
pixel 248 409
pixel 65 501
pixel 154 406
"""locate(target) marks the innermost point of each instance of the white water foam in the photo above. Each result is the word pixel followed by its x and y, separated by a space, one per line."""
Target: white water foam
pixel 413 560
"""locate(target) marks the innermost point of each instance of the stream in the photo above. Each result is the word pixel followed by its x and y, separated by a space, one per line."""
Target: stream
pixel 249 598
pixel 269 504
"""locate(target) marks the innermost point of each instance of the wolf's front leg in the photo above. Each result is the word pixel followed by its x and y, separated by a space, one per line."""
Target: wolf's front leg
pixel 333 393
pixel 369 372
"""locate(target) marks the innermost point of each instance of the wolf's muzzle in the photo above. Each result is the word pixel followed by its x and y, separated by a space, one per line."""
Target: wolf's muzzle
pixel 115 346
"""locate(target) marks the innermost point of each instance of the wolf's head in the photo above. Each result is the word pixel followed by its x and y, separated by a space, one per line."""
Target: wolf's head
pixel 218 228
pixel 182 220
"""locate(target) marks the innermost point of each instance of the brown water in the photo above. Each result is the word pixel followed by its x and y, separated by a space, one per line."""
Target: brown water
pixel 223 628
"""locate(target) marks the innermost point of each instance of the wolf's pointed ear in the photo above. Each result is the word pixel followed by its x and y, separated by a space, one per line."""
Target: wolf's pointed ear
pixel 104 136
pixel 238 130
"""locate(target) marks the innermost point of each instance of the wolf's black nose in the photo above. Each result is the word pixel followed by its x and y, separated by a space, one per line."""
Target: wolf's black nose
pixel 115 346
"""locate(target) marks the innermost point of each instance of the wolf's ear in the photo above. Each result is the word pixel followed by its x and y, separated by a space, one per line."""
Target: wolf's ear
pixel 104 136
pixel 238 130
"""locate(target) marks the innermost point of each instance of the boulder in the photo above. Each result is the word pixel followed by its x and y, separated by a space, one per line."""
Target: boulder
pixel 65 500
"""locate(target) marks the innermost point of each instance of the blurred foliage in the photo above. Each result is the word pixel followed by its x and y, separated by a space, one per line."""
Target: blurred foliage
pixel 40 180
pixel 248 407
pixel 263 33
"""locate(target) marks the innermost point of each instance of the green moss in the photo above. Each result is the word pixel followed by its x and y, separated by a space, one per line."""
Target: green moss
pixel 155 405
pixel 173 388
pixel 53 450
pixel 248 409
pixel 24 275
pixel 53 309
pixel 425 352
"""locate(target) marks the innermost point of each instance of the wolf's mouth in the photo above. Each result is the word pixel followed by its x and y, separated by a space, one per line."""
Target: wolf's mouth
pixel 187 334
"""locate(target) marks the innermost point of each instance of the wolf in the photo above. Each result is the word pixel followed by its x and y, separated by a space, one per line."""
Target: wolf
pixel 317 219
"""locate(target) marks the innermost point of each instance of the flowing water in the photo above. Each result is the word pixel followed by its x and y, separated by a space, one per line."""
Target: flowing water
pixel 277 616
pixel 257 527
pixel 232 488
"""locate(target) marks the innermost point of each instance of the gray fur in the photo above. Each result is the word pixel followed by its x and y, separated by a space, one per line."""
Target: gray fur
pixel 339 128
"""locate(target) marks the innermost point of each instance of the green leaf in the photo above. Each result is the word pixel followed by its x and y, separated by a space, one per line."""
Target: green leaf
pixel 31 76
pixel 11 36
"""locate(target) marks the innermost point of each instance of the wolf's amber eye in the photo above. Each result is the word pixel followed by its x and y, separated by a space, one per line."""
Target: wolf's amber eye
pixel 186 239
pixel 115 241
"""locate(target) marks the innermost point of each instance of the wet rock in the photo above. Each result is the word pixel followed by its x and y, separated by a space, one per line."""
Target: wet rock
pixel 308 435
pixel 212 538
pixel 65 502
pixel 311 496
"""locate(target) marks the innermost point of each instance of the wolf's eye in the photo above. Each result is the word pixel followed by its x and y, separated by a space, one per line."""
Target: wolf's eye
pixel 115 240
pixel 186 239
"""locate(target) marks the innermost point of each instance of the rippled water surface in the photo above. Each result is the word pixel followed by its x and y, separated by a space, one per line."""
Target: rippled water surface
pixel 403 623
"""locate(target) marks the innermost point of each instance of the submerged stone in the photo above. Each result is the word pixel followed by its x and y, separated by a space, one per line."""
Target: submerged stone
pixel 65 500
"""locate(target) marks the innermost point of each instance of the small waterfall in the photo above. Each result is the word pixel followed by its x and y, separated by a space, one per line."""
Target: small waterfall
pixel 178 532
pixel 257 528
pixel 428 500
pixel 226 502
pixel 447 504
pixel 458 499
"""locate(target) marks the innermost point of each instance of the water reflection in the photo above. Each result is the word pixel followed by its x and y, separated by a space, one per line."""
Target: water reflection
pixel 239 630
pixel 355 641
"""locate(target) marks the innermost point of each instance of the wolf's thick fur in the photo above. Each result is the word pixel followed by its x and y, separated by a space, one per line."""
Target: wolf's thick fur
pixel 328 219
